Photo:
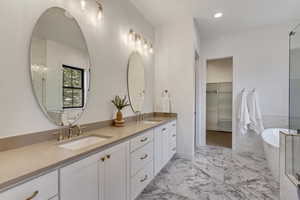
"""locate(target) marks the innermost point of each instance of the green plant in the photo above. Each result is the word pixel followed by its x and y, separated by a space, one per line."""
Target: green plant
pixel 120 102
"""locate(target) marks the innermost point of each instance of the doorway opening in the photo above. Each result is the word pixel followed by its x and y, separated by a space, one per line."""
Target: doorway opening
pixel 219 102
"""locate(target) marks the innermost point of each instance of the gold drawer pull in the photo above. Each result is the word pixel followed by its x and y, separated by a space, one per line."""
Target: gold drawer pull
pixel 103 159
pixel 143 158
pixel 144 140
pixel 108 156
pixel 144 179
pixel 33 195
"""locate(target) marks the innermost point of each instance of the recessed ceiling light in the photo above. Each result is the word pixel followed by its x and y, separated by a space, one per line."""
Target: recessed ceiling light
pixel 218 15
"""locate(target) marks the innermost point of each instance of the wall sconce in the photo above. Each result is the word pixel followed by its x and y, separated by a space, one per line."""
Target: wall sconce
pixel 140 42
pixel 100 10
pixel 99 16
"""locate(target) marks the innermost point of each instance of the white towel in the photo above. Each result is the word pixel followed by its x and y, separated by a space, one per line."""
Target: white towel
pixel 243 114
pixel 256 121
pixel 165 102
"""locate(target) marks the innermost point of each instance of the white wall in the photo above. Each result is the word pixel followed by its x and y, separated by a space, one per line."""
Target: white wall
pixel 261 61
pixel 174 71
pixel 219 71
pixel 20 113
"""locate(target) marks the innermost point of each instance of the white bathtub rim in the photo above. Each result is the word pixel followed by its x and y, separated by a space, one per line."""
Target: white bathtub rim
pixel 271 136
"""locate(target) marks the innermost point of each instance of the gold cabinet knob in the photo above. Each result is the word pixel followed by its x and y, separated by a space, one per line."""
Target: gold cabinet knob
pixel 144 140
pixel 144 179
pixel 103 159
pixel 33 195
pixel 144 157
pixel 108 156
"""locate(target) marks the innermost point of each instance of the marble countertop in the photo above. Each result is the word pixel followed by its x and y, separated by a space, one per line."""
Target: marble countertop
pixel 23 163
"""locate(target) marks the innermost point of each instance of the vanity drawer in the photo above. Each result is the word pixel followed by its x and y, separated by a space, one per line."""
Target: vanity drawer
pixel 141 158
pixel 173 125
pixel 41 188
pixel 141 140
pixel 163 130
pixel 141 180
pixel 173 147
pixel 173 136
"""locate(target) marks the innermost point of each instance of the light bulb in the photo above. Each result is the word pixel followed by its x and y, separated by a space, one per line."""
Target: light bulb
pixel 131 35
pixel 100 15
pixel 151 50
pixel 138 41
pixel 100 11
pixel 145 46
pixel 83 4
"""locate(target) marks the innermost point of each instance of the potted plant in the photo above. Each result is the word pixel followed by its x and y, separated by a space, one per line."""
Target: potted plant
pixel 120 103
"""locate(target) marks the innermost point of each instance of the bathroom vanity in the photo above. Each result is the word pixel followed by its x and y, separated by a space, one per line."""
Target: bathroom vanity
pixel 103 163
pixel 115 169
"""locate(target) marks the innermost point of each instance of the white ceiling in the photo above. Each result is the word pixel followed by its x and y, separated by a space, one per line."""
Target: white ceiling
pixel 239 15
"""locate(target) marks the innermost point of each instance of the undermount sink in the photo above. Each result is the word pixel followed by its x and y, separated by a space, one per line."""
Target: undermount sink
pixel 83 142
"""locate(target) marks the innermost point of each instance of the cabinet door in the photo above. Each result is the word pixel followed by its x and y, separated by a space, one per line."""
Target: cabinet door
pixel 165 141
pixel 113 173
pixel 79 181
pixel 157 151
pixel 160 148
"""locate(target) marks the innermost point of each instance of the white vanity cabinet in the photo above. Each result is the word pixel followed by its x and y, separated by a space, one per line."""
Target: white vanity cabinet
pixel 172 139
pixel 113 173
pixel 80 180
pixel 120 172
pixel 165 139
pixel 102 176
pixel 42 188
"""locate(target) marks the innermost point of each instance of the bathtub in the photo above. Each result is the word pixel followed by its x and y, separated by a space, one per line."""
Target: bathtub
pixel 271 147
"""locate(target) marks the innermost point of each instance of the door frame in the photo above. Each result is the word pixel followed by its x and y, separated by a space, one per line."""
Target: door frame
pixel 202 75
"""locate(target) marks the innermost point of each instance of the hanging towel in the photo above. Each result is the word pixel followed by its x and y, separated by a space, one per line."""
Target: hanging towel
pixel 243 114
pixel 165 102
pixel 256 121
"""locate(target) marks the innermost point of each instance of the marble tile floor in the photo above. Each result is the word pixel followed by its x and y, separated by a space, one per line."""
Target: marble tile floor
pixel 216 174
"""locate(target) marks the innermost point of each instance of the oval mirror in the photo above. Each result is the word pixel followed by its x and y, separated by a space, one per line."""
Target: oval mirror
pixel 136 82
pixel 60 66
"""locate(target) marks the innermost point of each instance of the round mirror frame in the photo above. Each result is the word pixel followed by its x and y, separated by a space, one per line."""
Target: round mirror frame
pixel 86 92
